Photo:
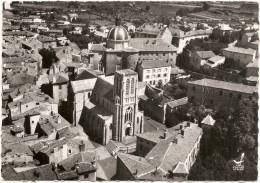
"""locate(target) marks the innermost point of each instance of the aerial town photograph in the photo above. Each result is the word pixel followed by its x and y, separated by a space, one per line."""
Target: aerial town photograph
pixel 129 90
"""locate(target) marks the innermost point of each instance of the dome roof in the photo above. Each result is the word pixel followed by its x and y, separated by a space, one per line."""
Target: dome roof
pixel 118 33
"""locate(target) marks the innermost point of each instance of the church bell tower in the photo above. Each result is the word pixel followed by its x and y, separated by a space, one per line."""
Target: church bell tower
pixel 126 106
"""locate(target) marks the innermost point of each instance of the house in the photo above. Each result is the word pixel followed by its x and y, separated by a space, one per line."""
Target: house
pixel 241 56
pixel 198 58
pixel 159 106
pixel 82 166
pixel 79 94
pixel 154 72
pixel 162 155
pixel 216 94
pixel 180 38
pixel 59 87
pixel 153 48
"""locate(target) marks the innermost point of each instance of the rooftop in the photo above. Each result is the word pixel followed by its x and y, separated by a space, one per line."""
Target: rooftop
pixel 83 85
pixel 148 64
pixel 151 44
pixel 126 72
pixel 205 54
pixel 240 50
pixel 225 85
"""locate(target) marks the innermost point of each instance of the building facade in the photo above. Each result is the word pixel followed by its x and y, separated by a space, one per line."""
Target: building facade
pixel 216 94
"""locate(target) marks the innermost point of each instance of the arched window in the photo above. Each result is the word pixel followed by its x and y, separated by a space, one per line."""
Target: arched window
pixel 128 114
pixel 132 85
pixel 127 86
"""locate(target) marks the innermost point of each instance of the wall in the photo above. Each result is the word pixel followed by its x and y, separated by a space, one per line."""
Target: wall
pixel 152 76
pixel 122 172
pixel 159 55
pixel 242 59
pixel 154 111
pixel 60 92
pixel 143 146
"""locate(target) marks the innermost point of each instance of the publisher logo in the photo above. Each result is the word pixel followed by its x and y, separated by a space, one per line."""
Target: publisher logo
pixel 239 165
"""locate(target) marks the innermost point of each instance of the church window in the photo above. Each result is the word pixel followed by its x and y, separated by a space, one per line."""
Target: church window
pixel 127 86
pixel 128 114
pixel 132 85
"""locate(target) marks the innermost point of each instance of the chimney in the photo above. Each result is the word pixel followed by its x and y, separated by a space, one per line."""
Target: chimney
pixel 59 120
pixel 175 141
pixel 54 79
pixel 81 146
pixel 188 124
pixel 181 127
pixel 136 172
pixel 165 134
pixel 182 133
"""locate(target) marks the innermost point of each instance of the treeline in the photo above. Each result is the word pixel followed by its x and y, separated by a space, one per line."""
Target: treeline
pixel 235 132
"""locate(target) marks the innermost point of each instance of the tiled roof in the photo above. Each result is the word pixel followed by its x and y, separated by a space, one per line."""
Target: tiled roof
pixel 126 72
pixel 253 64
pixel 136 165
pixel 44 172
pixel 106 168
pixel 19 33
pixel 178 102
pixel 82 157
pixel 88 74
pixel 43 38
pixel 176 152
pixel 151 44
pixel 240 50
pixel 225 85
pixel 148 28
pixel 205 54
pixel 104 87
pixel 83 85
pixel 97 47
pixel 148 64
pixel 19 148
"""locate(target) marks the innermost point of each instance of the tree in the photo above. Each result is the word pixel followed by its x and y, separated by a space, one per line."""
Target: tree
pixel 147 8
pixel 205 6
pixel 182 12
pixel 48 57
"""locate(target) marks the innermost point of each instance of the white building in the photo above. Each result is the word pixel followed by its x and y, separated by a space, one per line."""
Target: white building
pixel 154 72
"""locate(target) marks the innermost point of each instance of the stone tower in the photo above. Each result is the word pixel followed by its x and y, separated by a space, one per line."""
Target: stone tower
pixel 126 106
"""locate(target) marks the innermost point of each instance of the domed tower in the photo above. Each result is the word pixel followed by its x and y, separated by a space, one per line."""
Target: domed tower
pixel 118 37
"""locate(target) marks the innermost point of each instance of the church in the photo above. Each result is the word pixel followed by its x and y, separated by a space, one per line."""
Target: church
pixel 107 106
pixel 112 112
